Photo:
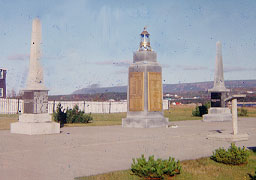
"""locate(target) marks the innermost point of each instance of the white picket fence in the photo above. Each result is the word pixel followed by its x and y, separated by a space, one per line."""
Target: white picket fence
pixel 13 106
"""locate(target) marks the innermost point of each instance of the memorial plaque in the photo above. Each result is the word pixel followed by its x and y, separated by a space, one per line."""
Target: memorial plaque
pixel 155 91
pixel 136 91
pixel 28 98
pixel 215 99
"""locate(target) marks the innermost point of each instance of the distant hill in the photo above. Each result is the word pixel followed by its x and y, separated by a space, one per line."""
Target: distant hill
pixel 174 88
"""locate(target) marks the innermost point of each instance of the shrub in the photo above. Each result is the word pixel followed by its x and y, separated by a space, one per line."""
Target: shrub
pixel 242 112
pixel 155 169
pixel 196 112
pixel 71 115
pixel 77 116
pixel 200 110
pixel 234 155
pixel 60 116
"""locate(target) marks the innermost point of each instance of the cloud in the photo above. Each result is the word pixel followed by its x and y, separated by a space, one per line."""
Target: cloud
pixel 122 63
pixel 19 57
pixel 125 71
pixel 165 65
pixel 54 57
pixel 192 68
pixel 237 68
pixel 93 86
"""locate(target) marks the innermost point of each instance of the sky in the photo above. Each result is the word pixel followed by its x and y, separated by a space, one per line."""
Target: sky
pixel 89 43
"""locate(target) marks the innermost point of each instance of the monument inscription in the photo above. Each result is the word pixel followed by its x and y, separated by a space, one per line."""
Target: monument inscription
pixel 154 91
pixel 215 99
pixel 136 91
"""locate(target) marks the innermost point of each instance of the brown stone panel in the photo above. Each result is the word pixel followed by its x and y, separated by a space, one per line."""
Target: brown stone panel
pixel 155 91
pixel 28 98
pixel 136 91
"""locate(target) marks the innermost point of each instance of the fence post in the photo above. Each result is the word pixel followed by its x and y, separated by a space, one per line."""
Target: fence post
pixel 109 107
pixel 18 105
pixel 53 109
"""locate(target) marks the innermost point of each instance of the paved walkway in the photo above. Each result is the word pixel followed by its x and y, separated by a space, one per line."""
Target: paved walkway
pixel 82 151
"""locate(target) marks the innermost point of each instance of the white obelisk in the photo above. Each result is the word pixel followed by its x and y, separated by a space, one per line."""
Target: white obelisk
pixel 218 111
pixel 35 118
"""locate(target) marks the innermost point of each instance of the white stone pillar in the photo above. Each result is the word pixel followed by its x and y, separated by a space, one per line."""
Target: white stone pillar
pixel 234 116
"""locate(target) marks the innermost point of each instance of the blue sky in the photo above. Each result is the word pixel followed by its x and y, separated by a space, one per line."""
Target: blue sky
pixel 92 42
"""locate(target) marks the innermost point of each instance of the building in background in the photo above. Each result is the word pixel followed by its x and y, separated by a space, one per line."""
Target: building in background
pixel 2 83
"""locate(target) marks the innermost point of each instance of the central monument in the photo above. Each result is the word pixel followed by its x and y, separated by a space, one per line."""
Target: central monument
pixel 145 95
pixel 35 119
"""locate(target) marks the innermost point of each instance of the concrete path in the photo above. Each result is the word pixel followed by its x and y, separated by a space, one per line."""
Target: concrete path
pixel 84 151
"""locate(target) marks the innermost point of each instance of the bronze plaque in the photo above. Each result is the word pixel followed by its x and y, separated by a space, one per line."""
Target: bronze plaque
pixel 155 91
pixel 136 91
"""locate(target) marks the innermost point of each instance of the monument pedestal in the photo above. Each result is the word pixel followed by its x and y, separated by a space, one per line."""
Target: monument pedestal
pixel 145 121
pixel 217 114
pixel 32 124
pixel 35 119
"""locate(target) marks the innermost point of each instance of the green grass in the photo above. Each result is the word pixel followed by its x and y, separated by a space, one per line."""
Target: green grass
pixel 251 111
pixel 176 113
pixel 181 113
pixel 199 169
pixel 103 120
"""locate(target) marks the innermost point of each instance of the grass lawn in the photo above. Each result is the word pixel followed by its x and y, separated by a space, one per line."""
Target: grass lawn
pixel 6 120
pixel 199 169
pixel 251 111
pixel 175 113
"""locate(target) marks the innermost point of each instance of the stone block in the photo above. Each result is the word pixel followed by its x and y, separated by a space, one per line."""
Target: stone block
pixel 218 114
pixel 36 118
pixel 33 124
pixel 144 122
pixel 30 128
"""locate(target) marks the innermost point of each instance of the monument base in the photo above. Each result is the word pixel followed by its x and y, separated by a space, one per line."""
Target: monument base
pixel 217 114
pixel 32 124
pixel 145 122
pixel 228 137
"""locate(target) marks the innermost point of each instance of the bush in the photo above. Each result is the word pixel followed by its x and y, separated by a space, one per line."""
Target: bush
pixel 200 110
pixel 71 115
pixel 234 155
pixel 196 111
pixel 155 169
pixel 77 116
pixel 242 112
pixel 60 116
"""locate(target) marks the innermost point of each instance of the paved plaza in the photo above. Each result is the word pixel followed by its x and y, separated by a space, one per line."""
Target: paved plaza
pixel 83 151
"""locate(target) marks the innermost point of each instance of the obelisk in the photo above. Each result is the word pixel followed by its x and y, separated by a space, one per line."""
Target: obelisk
pixel 35 119
pixel 145 95
pixel 218 111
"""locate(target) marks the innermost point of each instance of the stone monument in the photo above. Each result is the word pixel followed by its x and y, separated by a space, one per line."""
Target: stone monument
pixel 35 119
pixel 218 110
pixel 145 96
